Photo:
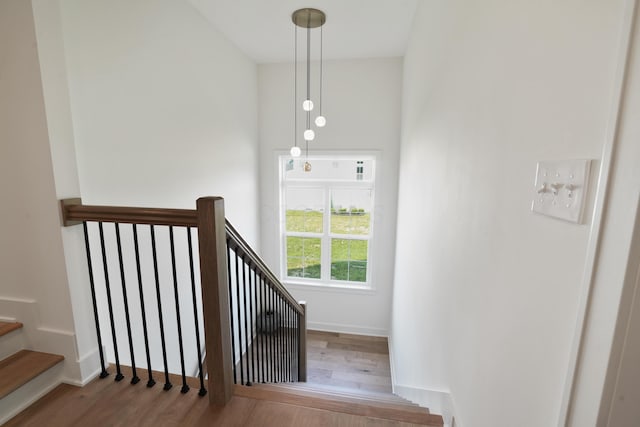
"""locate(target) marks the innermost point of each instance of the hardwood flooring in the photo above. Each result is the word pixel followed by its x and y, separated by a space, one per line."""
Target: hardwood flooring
pixel 336 360
pixel 109 403
pixel 354 362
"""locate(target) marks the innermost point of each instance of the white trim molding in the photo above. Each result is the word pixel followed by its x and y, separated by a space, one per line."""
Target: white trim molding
pixel 347 329
pixel 593 246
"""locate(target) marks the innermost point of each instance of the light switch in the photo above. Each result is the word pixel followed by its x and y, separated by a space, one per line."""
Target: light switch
pixel 560 189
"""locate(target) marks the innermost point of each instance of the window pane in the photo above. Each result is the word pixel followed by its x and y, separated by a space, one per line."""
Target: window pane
pixel 303 257
pixel 305 207
pixel 349 260
pixel 351 211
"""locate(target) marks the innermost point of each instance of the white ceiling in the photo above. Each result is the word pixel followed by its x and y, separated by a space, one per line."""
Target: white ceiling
pixel 263 30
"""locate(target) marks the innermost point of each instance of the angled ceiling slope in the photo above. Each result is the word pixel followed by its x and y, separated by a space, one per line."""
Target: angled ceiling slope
pixel 355 28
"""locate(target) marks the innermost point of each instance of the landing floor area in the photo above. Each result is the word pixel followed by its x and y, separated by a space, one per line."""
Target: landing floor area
pixel 108 403
pixel 349 361
pixel 337 360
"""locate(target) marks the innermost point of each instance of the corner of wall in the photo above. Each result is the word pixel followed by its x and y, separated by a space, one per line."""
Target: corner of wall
pixel 438 402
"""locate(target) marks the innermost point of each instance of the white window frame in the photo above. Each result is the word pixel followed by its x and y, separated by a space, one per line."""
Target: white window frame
pixel 326 236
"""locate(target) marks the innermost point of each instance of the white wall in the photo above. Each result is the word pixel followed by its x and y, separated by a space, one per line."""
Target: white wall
pixel 485 292
pixel 164 108
pixel 65 171
pixel 361 101
pixel 33 282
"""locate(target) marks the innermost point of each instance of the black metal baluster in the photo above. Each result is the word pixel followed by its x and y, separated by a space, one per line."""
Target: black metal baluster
pixel 203 390
pixel 282 340
pixel 167 383
pixel 185 387
pixel 278 336
pixel 285 329
pixel 246 328
pixel 239 317
pixel 233 331
pixel 265 328
pixel 296 344
pixel 260 326
pixel 294 359
pixel 119 375
pixel 269 331
pixel 288 307
pixel 135 379
pixel 103 372
pixel 265 332
pixel 151 382
pixel 272 336
pixel 251 285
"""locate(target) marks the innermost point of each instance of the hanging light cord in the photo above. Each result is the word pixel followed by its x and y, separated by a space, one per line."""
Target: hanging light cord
pixel 295 85
pixel 309 72
pixel 320 69
pixel 308 78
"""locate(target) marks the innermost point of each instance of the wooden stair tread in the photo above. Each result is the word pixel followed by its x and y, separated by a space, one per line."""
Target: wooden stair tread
pixel 351 405
pixel 6 327
pixel 346 393
pixel 22 367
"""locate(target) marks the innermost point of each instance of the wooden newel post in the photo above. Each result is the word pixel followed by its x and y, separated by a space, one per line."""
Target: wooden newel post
pixel 302 340
pixel 212 242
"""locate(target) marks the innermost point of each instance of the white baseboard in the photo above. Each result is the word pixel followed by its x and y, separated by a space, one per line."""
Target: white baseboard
pixel 11 343
pixel 347 329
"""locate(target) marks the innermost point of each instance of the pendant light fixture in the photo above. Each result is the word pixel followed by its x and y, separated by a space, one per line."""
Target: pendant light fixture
pixel 308 19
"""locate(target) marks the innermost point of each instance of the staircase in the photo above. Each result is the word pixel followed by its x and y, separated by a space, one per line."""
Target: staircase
pixel 25 375
pixel 335 399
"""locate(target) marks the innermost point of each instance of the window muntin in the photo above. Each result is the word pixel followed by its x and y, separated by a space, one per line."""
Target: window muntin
pixel 327 220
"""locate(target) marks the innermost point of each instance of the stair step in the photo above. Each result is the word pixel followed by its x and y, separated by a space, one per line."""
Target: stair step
pixel 372 396
pixel 335 403
pixel 6 327
pixel 23 366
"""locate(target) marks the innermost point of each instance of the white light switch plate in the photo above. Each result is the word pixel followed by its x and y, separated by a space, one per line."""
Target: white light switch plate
pixel 560 189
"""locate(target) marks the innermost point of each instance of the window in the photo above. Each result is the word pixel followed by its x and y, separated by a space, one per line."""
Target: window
pixel 327 219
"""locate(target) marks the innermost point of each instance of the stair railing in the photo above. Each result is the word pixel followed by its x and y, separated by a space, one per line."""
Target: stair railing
pixel 254 330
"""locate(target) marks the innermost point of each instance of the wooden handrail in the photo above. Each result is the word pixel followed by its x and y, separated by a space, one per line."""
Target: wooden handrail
pixel 242 248
pixel 73 212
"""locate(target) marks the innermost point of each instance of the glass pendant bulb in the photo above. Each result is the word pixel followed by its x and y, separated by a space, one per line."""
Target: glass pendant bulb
pixel 307 105
pixel 321 121
pixel 295 151
pixel 309 134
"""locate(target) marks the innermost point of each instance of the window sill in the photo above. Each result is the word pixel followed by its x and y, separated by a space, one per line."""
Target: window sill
pixel 325 287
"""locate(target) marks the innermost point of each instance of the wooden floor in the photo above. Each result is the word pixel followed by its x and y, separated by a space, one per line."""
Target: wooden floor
pixel 349 361
pixel 333 359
